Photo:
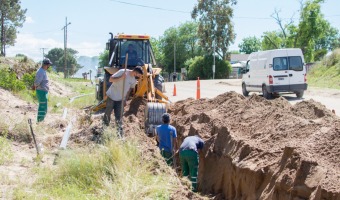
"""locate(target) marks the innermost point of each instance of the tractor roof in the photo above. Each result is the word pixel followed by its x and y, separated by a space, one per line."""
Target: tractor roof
pixel 134 37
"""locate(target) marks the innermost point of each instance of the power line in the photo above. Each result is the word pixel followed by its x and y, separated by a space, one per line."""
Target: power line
pixel 151 7
pixel 180 11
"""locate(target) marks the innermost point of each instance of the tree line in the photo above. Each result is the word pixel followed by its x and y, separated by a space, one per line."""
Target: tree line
pixel 313 34
pixel 193 45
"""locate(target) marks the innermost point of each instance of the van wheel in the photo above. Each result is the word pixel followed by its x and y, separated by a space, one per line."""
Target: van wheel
pixel 265 93
pixel 244 90
pixel 299 94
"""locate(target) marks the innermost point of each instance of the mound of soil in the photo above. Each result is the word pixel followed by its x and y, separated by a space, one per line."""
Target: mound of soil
pixel 255 148
pixel 260 149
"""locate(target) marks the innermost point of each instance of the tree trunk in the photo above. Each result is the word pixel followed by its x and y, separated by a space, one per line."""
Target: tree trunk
pixel 2 35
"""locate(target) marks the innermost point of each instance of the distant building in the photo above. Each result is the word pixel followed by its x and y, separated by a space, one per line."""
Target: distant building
pixel 237 61
pixel 235 58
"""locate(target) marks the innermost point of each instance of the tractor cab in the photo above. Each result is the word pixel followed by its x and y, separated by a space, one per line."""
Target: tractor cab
pixel 136 48
pixel 127 52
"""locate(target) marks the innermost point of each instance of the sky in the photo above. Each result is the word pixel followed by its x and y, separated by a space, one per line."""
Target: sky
pixel 91 21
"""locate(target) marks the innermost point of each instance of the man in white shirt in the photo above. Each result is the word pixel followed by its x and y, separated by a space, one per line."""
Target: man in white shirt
pixel 114 93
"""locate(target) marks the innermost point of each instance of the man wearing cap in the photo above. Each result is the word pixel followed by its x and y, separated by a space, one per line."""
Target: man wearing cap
pixel 41 86
pixel 166 136
pixel 114 93
pixel 188 155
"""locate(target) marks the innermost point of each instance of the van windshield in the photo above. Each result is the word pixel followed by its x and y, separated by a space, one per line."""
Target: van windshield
pixel 288 63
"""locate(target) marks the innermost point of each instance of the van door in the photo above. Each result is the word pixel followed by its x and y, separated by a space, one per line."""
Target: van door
pixel 296 72
pixel 250 76
pixel 280 74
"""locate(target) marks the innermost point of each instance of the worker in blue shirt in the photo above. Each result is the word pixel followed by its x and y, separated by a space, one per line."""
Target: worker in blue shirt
pixel 189 158
pixel 166 136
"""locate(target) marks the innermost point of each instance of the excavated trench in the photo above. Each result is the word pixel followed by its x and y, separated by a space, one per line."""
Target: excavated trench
pixel 257 148
pixel 260 149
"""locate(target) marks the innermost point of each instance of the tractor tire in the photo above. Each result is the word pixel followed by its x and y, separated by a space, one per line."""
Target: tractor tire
pixel 100 90
pixel 158 83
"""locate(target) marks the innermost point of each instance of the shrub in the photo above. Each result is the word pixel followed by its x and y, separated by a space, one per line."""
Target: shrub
pixel 28 79
pixel 9 81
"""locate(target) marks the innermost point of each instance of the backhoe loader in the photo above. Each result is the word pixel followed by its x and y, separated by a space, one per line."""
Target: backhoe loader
pixel 139 51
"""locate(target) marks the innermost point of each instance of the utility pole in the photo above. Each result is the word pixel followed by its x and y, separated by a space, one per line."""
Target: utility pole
pixel 65 47
pixel 43 49
pixel 213 68
pixel 174 58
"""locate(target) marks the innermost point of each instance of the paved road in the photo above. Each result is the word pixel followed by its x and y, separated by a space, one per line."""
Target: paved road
pixel 212 88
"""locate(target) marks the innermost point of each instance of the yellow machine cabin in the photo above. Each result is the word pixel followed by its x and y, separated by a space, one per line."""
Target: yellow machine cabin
pixel 126 52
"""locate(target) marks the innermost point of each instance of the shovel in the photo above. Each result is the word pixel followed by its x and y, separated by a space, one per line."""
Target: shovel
pixel 35 142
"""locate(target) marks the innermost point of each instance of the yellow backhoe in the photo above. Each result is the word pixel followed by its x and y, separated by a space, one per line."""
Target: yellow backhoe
pixel 150 86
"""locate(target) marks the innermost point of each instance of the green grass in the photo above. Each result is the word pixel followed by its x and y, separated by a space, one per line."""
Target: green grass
pixel 116 170
pixel 326 74
pixel 6 154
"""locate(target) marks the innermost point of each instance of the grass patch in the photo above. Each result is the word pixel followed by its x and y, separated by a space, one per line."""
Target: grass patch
pixel 6 153
pixel 85 101
pixel 326 74
pixel 20 132
pixel 114 171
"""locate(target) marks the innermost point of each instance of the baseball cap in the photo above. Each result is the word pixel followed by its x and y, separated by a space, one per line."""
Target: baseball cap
pixel 47 61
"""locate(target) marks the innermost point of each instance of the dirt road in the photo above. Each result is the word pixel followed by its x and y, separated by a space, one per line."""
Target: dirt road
pixel 211 88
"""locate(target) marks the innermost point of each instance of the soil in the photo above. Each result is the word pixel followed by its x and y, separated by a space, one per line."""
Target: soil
pixel 254 148
pixel 263 149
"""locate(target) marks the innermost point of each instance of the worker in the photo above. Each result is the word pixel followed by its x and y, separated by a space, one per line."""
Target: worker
pixel 132 53
pixel 166 136
pixel 174 76
pixel 189 158
pixel 41 85
pixel 114 93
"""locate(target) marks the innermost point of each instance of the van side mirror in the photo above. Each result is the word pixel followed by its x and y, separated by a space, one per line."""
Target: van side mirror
pixel 244 70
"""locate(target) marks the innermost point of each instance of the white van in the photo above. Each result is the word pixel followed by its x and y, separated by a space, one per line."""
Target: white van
pixel 275 71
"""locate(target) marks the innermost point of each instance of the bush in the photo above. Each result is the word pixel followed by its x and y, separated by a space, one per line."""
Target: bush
pixel 9 81
pixel 28 79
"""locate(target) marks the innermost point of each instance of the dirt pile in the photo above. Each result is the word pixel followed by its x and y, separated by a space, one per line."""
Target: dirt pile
pixel 260 149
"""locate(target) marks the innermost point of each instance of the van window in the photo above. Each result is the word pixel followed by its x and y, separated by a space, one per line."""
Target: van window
pixel 295 63
pixel 280 63
pixel 285 63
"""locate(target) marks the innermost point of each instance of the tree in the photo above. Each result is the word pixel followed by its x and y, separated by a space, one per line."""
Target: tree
pixel 215 25
pixel 250 44
pixel 11 18
pixel 56 55
pixel 201 66
pixel 104 59
pixel 272 40
pixel 313 33
pixel 183 41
